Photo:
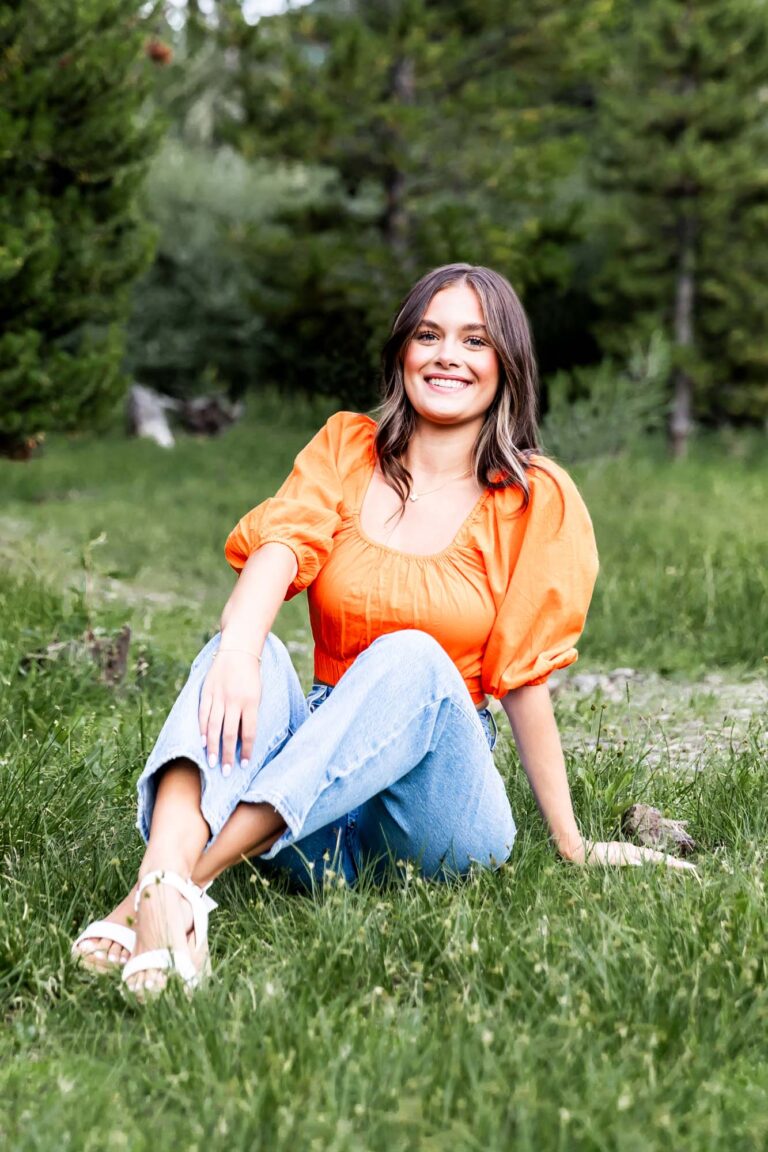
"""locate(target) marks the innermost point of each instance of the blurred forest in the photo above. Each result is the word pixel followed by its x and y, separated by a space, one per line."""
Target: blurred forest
pixel 199 195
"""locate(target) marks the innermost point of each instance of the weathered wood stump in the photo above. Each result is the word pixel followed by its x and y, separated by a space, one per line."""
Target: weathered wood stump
pixel 110 654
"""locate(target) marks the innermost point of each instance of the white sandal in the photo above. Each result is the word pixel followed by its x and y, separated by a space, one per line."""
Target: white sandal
pixel 191 969
pixel 103 930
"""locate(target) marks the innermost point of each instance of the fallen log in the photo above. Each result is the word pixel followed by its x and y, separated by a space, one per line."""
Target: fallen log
pixel 209 415
pixel 148 412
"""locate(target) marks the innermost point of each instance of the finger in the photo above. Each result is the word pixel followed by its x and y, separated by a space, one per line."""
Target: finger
pixel 651 856
pixel 627 856
pixel 229 737
pixel 248 723
pixel 681 865
pixel 213 737
pixel 204 712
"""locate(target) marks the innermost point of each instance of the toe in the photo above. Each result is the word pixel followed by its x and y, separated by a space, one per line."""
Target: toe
pixel 146 984
pixel 92 954
pixel 85 947
pixel 117 954
pixel 100 955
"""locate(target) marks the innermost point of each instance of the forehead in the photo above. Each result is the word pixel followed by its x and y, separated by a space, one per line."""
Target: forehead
pixel 457 304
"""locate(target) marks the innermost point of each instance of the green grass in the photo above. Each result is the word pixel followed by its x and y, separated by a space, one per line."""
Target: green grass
pixel 542 1007
pixel 684 561
pixel 684 548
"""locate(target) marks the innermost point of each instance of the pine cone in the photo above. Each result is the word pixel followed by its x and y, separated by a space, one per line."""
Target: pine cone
pixel 158 51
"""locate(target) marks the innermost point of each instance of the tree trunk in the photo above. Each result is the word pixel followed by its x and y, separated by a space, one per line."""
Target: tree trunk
pixel 395 224
pixel 680 423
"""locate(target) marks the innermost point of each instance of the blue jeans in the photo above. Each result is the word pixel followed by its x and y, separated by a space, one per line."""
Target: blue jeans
pixel 394 762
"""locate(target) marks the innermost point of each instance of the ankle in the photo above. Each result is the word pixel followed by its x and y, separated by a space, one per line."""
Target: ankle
pixel 166 862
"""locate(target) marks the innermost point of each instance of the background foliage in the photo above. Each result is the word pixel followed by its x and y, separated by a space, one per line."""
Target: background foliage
pixel 607 157
pixel 680 168
pixel 75 137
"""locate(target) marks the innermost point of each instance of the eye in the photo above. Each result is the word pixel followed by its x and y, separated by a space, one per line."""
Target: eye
pixel 426 334
pixel 477 342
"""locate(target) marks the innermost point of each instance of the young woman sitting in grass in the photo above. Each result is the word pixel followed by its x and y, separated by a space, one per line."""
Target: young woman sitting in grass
pixel 445 562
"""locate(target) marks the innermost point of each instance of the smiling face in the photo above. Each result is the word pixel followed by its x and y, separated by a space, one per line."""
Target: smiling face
pixel 450 370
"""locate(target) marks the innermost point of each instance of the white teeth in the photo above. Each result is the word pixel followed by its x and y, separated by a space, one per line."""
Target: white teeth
pixel 448 385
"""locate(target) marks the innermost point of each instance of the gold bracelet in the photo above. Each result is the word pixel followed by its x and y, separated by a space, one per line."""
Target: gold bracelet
pixel 242 651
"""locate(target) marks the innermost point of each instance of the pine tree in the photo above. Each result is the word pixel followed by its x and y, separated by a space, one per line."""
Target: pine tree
pixel 449 128
pixel 75 137
pixel 684 129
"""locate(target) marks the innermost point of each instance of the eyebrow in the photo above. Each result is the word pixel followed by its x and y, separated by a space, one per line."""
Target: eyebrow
pixel 464 328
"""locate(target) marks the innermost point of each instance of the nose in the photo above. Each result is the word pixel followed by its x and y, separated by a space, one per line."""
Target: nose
pixel 447 354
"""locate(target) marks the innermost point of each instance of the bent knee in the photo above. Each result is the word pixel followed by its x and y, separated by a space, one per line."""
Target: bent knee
pixel 412 648
pixel 490 852
pixel 497 843
pixel 274 648
pixel 500 849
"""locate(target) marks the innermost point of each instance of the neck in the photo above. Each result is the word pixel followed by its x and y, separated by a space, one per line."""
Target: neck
pixel 436 451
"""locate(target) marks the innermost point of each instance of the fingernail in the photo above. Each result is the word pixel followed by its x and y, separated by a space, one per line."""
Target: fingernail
pixel 226 769
pixel 211 761
pixel 245 763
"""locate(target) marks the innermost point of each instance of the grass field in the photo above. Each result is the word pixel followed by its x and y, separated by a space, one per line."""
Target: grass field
pixel 542 1007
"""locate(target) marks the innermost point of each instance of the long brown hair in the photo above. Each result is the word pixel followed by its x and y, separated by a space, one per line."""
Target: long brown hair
pixel 509 436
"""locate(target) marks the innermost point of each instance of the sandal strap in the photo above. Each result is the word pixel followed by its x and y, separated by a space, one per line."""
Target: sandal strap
pixel 196 897
pixel 164 960
pixel 206 901
pixel 107 930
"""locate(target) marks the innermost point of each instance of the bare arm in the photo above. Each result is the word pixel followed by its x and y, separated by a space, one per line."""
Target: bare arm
pixel 530 714
pixel 256 598
pixel 229 702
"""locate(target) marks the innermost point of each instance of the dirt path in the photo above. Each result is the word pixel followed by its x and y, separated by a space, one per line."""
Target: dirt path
pixel 673 722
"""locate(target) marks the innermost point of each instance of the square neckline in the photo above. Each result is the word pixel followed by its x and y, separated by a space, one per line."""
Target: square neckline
pixel 363 489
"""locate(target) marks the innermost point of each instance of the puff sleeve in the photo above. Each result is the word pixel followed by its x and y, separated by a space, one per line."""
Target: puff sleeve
pixel 304 514
pixel 550 557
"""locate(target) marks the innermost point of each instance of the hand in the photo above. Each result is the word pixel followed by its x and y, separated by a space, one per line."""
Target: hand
pixel 229 705
pixel 618 853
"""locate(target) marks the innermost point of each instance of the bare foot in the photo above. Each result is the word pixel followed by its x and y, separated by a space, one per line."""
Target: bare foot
pixel 99 953
pixel 164 921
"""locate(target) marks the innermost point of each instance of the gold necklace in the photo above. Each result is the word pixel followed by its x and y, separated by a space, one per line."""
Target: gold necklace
pixel 414 496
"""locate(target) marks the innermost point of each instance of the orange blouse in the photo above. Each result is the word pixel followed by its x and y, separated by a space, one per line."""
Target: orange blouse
pixel 507 599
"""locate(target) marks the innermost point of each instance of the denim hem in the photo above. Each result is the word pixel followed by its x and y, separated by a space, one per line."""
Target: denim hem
pixel 147 790
pixel 282 807
pixel 215 819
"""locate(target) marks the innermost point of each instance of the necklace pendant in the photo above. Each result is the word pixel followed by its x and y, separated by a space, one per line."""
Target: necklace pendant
pixel 413 496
